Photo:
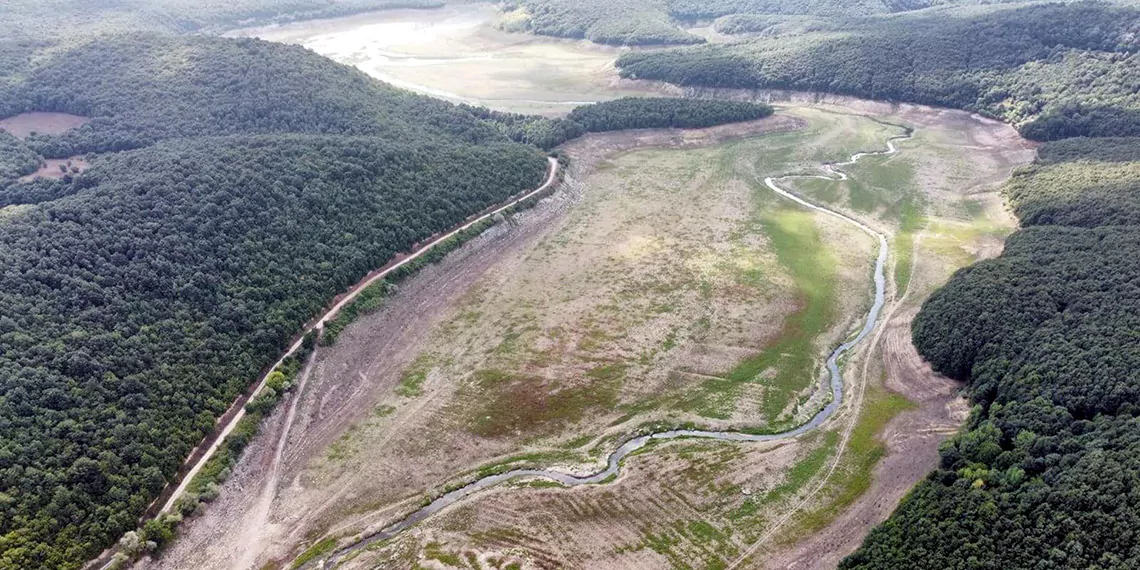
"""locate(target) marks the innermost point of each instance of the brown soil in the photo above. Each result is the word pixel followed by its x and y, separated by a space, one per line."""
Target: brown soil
pixel 25 124
pixel 645 527
pixel 51 168
pixel 652 517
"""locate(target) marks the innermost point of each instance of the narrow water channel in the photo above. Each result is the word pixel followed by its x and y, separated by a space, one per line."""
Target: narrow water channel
pixel 613 466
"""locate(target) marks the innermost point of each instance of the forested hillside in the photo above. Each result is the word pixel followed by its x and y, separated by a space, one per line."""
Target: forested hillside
pixel 235 187
pixel 143 295
pixel 619 22
pixel 51 19
pixel 210 87
pixel 1047 338
pixel 655 22
pixel 1054 70
pixel 621 114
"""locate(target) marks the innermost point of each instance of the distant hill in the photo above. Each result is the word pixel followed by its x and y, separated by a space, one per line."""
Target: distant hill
pixel 40 19
pixel 1054 70
pixel 656 22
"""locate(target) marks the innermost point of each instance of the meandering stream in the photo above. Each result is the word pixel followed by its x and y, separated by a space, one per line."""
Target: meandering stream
pixel 613 465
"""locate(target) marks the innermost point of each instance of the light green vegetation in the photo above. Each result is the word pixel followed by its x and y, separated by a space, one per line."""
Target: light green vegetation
pixel 680 285
pixel 315 551
pixel 523 460
pixel 413 378
pixel 798 476
pixel 864 450
pixel 793 355
pixel 884 189
pixel 954 241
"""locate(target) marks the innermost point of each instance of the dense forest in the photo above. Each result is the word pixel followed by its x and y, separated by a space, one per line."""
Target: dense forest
pixel 235 187
pixel 647 113
pixel 1054 70
pixel 621 114
pixel 619 22
pixel 208 88
pixel 144 294
pixel 656 22
pixel 1047 338
pixel 16 159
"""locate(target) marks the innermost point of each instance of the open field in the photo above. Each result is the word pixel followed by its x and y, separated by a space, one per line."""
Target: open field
pixel 24 124
pixel 457 53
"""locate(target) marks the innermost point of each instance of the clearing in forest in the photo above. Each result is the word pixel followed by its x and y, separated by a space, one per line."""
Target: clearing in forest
pixel 25 124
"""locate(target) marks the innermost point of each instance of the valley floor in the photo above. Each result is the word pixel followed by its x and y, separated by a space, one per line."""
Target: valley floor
pixel 663 283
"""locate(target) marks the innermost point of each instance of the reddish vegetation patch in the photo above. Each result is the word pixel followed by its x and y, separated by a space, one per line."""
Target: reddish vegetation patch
pixel 517 404
pixel 24 124
pixel 58 168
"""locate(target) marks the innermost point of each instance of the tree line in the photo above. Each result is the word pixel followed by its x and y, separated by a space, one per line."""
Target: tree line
pixel 143 295
pixel 1046 339
pixel 657 22
pixel 622 114
pixel 1054 70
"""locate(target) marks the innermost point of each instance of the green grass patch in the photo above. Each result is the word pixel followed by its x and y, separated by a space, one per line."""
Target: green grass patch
pixel 321 548
pixel 790 359
pixel 864 451
pixel 537 459
pixel 412 379
pixel 434 551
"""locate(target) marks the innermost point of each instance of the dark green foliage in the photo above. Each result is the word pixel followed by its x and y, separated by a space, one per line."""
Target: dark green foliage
pixel 620 114
pixel 369 300
pixel 619 22
pixel 1058 494
pixel 209 87
pixel 650 22
pixel 708 9
pixel 769 25
pixel 540 131
pixel 1047 338
pixel 1080 182
pixel 1051 318
pixel 143 296
pixel 35 191
pixel 1055 70
pixel 16 159
pixel 204 487
pixel 648 113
